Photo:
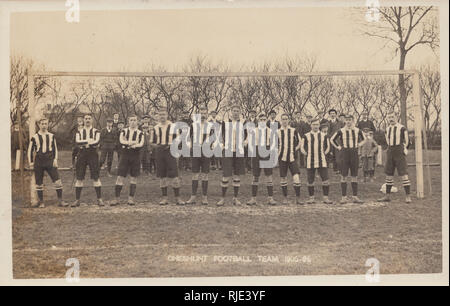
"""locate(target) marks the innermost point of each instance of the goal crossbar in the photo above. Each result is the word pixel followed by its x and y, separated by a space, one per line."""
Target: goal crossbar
pixel 217 74
pixel 417 107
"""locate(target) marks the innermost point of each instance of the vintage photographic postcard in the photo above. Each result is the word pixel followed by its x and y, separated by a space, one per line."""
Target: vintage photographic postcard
pixel 224 142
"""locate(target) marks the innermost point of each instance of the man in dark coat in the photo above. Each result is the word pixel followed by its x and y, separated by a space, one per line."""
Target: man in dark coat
pixel 73 132
pixel 108 142
pixel 366 123
pixel 334 125
pixel 15 141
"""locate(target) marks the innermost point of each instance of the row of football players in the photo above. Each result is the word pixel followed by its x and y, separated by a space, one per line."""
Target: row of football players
pixel 43 156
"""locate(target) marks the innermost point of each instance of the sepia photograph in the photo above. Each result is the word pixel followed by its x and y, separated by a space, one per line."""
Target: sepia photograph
pixel 196 139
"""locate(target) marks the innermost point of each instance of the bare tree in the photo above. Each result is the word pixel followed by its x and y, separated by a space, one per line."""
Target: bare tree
pixel 322 95
pixel 245 92
pixel 388 97
pixel 431 91
pixel 295 93
pixel 405 28
pixel 117 95
pixel 172 96
pixel 219 92
pixel 59 105
pixel 18 86
pixel 148 95
pixel 198 89
pixel 363 93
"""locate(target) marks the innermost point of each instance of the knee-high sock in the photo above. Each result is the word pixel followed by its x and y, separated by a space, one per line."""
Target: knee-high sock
pixel 194 187
pixel 236 185
pixel 325 190
pixel 132 190
pixel 311 190
pixel 254 190
pixel 270 190
pixel 40 193
pixel 78 192
pixel 344 188
pixel 297 190
pixel 389 184
pixel 284 189
pixel 407 185
pixel 204 187
pixel 407 189
pixel 118 190
pixel 164 191
pixel 98 191
pixel 355 188
pixel 224 187
pixel 59 193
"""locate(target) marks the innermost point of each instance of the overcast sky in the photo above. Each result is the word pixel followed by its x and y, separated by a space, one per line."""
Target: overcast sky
pixel 131 40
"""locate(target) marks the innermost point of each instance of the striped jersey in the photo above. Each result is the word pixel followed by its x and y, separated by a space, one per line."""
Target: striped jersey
pixel 261 136
pixel 129 137
pixel 164 133
pixel 278 124
pixel 316 146
pixel 397 135
pixel 234 135
pixel 87 137
pixel 42 143
pixel 350 138
pixel 288 141
pixel 150 136
pixel 200 132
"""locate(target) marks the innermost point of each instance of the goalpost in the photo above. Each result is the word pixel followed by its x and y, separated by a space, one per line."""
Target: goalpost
pixel 417 106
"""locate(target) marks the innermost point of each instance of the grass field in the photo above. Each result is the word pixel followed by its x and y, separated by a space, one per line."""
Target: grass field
pixel 143 241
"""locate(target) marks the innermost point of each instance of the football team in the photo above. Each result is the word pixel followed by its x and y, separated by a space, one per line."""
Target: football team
pixel 257 144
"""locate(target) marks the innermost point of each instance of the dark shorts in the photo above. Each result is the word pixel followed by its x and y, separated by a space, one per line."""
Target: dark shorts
pixel 233 166
pixel 338 157
pixel 44 164
pixel 256 168
pixel 87 157
pixel 75 151
pixel 396 159
pixel 166 164
pixel 201 164
pixel 349 162
pixel 129 162
pixel 285 166
pixel 311 174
